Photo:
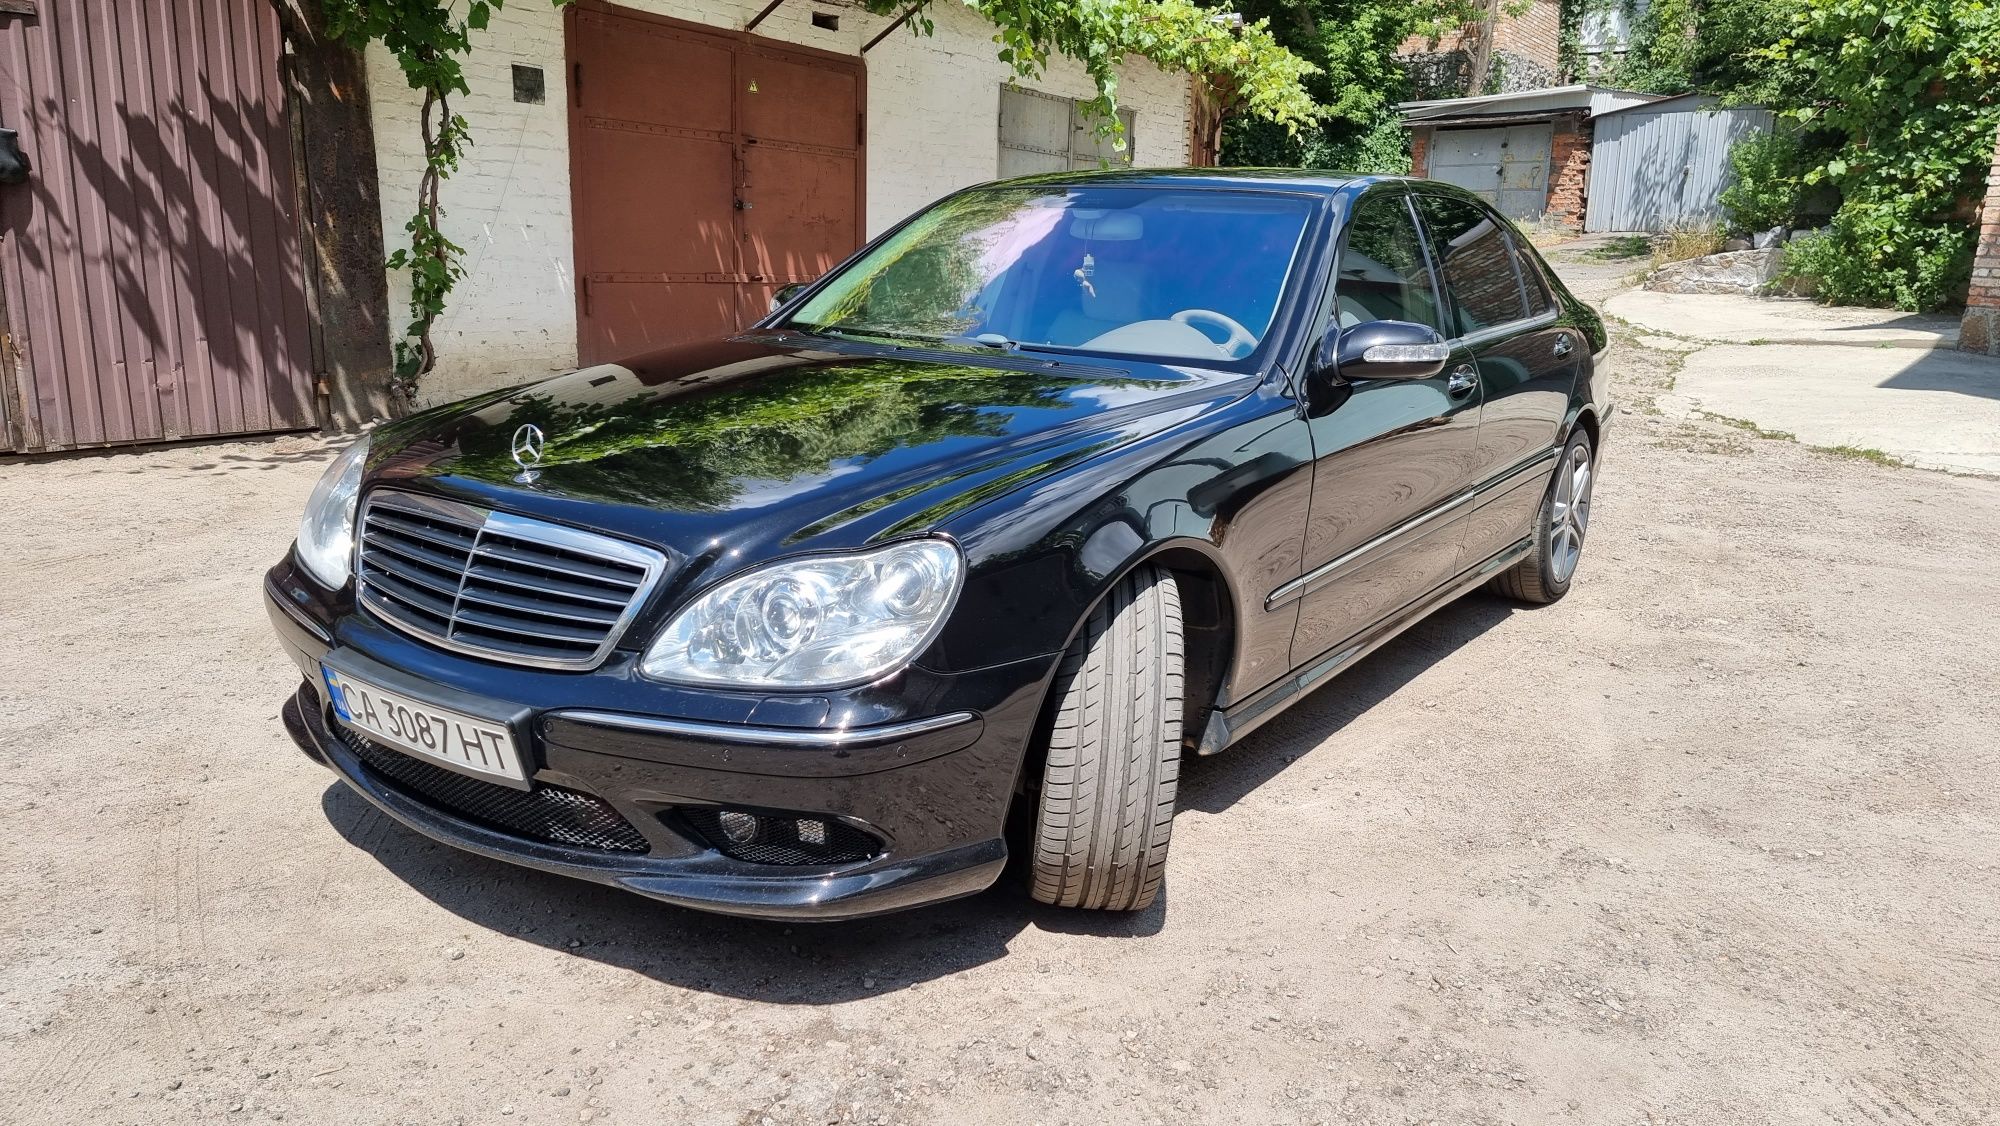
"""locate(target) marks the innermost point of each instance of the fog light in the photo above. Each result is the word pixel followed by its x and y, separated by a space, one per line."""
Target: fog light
pixel 786 838
pixel 740 828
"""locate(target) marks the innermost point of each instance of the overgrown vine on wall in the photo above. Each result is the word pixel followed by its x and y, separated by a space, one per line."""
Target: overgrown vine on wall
pixel 1908 94
pixel 429 41
pixel 1243 68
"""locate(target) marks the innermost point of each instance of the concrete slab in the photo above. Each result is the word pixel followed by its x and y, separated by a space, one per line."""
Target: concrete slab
pixel 1934 409
pixel 1780 320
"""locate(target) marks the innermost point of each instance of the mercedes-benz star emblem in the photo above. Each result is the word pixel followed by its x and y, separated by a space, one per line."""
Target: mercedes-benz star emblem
pixel 528 443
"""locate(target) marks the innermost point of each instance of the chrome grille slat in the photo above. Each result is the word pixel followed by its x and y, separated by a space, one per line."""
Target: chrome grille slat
pixel 483 573
pixel 578 570
pixel 457 540
pixel 500 586
pixel 411 573
pixel 416 553
pixel 411 595
pixel 506 600
pixel 545 631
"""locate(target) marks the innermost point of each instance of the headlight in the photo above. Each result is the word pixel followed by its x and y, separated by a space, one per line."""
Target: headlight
pixel 814 622
pixel 326 531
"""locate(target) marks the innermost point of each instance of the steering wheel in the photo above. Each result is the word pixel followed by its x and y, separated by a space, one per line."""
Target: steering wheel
pixel 1241 341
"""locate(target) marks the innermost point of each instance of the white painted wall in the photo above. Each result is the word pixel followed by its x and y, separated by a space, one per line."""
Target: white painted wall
pixel 933 127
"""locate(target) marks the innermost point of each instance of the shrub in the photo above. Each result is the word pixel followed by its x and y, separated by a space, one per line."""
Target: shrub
pixel 1767 188
pixel 1378 146
pixel 1872 257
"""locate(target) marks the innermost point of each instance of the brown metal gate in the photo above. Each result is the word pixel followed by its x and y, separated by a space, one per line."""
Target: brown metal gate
pixel 150 268
pixel 707 168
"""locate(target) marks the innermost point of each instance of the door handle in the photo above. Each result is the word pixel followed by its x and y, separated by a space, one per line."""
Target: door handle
pixel 1562 344
pixel 1461 382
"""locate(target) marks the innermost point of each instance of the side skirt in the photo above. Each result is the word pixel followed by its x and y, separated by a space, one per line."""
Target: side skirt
pixel 1227 726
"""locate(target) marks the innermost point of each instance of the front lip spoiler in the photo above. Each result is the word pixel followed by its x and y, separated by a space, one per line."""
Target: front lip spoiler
pixel 750 892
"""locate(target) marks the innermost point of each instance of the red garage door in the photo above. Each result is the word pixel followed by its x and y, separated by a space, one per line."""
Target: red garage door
pixel 707 169
pixel 151 285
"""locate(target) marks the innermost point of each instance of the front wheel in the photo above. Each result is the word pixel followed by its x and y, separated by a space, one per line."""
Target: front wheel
pixel 1106 807
pixel 1545 574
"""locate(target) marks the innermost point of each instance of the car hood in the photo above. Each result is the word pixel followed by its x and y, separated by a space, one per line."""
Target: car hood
pixel 775 440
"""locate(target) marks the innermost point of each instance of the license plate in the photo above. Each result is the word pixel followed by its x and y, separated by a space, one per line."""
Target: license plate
pixel 468 743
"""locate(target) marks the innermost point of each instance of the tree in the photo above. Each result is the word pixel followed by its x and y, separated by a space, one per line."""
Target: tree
pixel 1243 65
pixel 1357 79
pixel 1710 46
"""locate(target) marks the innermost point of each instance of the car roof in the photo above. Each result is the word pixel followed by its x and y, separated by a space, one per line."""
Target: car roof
pixel 1313 180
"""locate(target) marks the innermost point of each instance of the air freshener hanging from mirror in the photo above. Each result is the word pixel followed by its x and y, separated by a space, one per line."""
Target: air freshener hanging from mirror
pixel 1083 273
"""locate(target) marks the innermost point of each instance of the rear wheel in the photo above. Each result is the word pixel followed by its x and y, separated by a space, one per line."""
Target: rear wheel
pixel 1545 574
pixel 1106 808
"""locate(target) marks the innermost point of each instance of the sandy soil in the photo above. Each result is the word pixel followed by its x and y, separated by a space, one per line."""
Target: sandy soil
pixel 1711 841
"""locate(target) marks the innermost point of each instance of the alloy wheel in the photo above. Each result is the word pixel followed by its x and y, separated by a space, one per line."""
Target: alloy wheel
pixel 1570 515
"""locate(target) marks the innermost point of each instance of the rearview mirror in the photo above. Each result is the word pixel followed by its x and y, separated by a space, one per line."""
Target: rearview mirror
pixel 785 293
pixel 1389 350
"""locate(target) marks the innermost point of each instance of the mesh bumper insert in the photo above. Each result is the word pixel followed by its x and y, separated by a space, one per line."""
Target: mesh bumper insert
pixel 546 813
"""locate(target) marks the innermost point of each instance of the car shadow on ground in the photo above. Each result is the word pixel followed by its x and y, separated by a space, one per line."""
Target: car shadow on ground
pixel 818 963
pixel 1213 784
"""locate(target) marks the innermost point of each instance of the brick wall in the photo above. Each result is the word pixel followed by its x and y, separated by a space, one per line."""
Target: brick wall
pixel 1569 171
pixel 1420 150
pixel 1525 50
pixel 933 127
pixel 1980 330
pixel 1533 35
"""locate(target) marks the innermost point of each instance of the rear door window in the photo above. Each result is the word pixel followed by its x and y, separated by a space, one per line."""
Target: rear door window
pixel 1477 262
pixel 1383 275
pixel 1532 282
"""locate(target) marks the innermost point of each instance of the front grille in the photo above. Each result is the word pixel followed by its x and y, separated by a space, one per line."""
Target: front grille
pixel 546 813
pixel 776 838
pixel 497 585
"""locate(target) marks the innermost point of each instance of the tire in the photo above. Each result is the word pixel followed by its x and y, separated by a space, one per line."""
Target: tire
pixel 1106 808
pixel 1560 524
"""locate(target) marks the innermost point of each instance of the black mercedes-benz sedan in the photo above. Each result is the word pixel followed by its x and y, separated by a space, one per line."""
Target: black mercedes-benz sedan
pixel 961 549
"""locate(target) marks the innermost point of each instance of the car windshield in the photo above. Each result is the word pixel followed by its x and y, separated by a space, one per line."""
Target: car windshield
pixel 1184 273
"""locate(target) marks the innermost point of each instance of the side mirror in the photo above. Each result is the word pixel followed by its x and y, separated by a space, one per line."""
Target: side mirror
pixel 1388 350
pixel 784 294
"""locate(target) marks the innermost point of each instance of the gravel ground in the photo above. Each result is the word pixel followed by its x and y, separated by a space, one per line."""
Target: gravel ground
pixel 1712 840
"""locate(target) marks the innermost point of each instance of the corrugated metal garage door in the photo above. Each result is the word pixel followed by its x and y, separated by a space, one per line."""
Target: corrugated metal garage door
pixel 1664 164
pixel 708 168
pixel 151 265
pixel 1508 168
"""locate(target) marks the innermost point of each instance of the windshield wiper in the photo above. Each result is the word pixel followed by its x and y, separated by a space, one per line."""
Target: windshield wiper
pixel 857 333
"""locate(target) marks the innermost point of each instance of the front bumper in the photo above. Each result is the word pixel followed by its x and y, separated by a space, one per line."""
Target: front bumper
pixel 934 788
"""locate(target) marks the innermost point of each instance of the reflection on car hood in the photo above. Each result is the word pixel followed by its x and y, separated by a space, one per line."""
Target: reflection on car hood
pixel 762 442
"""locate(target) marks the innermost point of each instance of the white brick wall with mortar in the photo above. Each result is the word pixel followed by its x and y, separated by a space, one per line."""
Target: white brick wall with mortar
pixel 933 127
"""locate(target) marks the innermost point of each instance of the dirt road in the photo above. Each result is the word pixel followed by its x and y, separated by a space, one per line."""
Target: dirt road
pixel 1711 841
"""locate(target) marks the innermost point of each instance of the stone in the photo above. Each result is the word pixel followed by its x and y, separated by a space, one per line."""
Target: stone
pixel 1737 244
pixel 1731 272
